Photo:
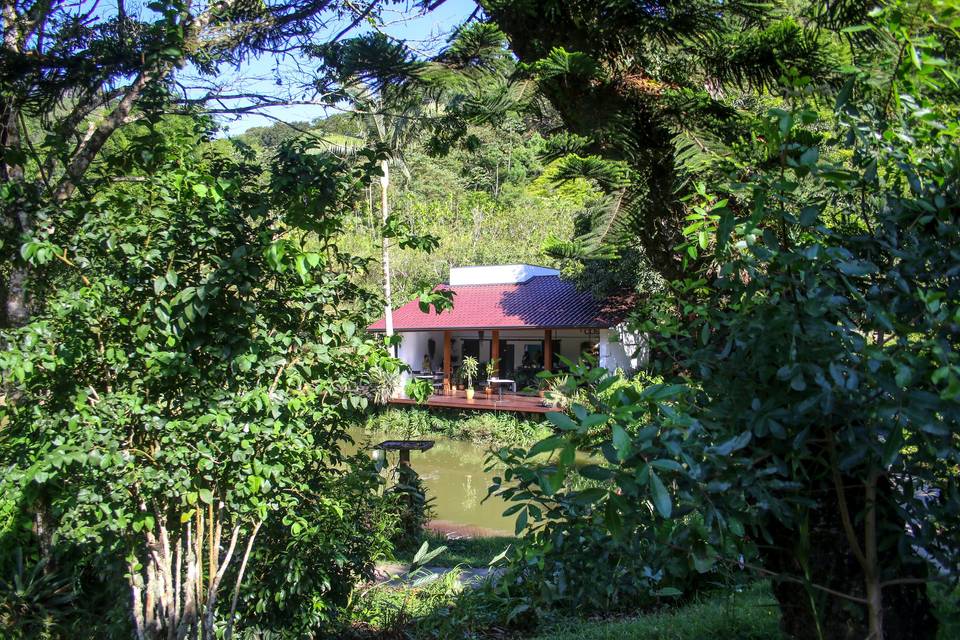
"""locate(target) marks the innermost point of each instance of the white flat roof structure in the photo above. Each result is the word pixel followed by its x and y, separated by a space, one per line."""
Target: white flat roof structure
pixel 497 274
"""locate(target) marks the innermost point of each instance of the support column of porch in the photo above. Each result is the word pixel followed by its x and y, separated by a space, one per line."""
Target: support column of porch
pixel 495 351
pixel 547 350
pixel 447 360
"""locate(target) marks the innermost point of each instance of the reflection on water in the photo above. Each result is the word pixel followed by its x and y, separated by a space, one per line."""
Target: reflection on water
pixel 453 473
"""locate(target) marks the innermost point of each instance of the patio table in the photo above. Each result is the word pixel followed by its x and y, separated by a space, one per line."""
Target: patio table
pixel 500 382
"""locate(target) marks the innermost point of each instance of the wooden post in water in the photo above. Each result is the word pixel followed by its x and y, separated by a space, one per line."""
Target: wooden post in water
pixel 447 367
pixel 547 350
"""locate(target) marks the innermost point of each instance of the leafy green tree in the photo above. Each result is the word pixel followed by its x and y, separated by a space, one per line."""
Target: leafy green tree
pixel 641 86
pixel 73 74
pixel 186 385
pixel 809 428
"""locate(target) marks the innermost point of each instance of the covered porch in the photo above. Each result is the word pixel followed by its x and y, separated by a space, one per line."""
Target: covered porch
pixel 517 355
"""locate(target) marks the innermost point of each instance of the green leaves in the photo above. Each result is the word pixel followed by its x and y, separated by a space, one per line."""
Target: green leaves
pixel 561 421
pixel 856 268
pixel 621 441
pixel 659 495
pixel 733 444
pixel 546 445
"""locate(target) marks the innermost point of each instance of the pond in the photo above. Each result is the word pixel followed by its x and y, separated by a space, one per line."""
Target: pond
pixel 453 474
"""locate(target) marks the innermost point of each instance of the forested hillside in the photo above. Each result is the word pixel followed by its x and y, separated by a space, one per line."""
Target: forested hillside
pixel 494 201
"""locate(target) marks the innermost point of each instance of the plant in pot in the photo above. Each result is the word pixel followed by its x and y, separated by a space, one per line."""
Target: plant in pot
pixel 492 369
pixel 469 370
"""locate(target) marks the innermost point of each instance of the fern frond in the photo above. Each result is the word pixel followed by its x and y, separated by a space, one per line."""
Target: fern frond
pixel 610 221
pixel 370 61
pixel 563 144
pixel 698 151
pixel 607 175
pixel 560 63
pixel 758 57
pixel 477 45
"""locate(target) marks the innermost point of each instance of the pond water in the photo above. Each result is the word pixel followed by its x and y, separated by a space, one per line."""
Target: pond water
pixel 453 474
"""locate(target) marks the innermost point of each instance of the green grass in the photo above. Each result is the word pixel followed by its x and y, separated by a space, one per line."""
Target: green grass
pixel 750 615
pixel 471 552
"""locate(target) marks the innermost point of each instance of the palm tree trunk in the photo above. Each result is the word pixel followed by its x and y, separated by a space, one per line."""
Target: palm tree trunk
pixel 385 211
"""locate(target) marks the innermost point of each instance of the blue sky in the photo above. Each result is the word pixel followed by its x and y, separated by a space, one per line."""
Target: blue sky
pixel 425 33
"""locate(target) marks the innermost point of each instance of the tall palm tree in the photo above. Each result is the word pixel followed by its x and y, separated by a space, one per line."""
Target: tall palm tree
pixel 389 124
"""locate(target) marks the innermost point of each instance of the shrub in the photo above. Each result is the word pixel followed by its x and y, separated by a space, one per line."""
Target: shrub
pixel 188 386
pixel 306 567
pixel 35 602
pixel 814 402
pixel 412 507
pixel 418 390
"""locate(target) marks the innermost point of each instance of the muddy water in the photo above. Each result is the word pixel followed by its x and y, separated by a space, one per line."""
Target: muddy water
pixel 453 474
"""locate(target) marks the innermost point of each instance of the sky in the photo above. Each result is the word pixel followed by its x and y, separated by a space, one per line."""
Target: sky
pixel 425 34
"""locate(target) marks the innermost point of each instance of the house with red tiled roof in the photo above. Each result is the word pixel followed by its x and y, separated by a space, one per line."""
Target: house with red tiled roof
pixel 524 318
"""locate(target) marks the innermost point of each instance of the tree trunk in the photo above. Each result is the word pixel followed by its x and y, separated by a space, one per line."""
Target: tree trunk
pixel 385 212
pixel 17 219
pixel 823 556
pixel 168 597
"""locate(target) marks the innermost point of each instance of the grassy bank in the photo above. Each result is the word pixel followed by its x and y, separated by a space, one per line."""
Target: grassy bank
pixel 749 615
pixel 752 614
pixel 487 428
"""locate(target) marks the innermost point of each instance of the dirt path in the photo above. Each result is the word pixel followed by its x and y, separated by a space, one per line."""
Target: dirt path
pixel 453 530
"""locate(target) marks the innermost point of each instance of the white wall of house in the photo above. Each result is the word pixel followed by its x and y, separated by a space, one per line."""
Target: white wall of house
pixel 621 348
pixel 415 344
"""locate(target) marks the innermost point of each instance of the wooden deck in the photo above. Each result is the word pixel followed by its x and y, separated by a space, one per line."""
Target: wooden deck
pixel 483 402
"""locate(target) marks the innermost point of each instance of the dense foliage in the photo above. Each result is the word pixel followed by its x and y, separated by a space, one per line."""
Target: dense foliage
pixel 184 392
pixel 809 428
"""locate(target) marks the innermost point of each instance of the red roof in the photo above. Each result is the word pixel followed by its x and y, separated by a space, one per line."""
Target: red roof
pixel 542 302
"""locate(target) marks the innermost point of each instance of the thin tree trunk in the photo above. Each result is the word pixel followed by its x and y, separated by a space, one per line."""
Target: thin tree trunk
pixel 177 585
pixel 872 566
pixel 385 212
pixel 210 606
pixel 236 587
pixel 188 614
pixel 136 603
pixel 16 219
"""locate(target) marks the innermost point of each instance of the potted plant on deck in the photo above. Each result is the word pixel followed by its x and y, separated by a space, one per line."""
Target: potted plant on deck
pixel 491 370
pixel 469 370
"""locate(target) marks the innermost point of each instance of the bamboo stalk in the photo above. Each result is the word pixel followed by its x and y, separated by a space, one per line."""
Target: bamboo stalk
pixel 198 556
pixel 211 604
pixel 212 552
pixel 136 596
pixel 177 583
pixel 236 587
